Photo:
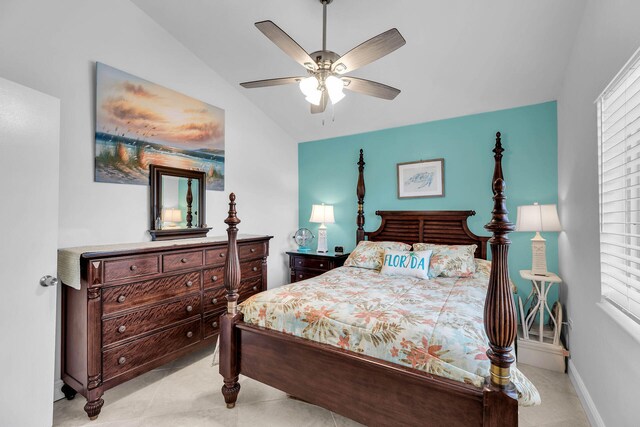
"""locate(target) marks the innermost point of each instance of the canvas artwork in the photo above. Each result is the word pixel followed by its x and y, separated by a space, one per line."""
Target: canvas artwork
pixel 139 123
pixel 424 178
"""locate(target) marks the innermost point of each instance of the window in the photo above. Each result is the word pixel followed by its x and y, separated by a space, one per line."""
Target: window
pixel 619 176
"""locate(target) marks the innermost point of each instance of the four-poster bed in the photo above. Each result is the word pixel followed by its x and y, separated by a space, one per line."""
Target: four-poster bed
pixel 368 389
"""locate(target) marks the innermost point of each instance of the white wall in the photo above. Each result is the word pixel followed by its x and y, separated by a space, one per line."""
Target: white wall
pixel 605 352
pixel 52 46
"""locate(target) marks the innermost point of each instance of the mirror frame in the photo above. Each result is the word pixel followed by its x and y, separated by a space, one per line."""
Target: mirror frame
pixel 156 172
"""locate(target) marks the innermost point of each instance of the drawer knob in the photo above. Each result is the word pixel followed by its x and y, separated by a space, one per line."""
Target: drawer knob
pixel 253 250
pixel 321 265
pixel 183 260
pixel 189 309
pixel 214 278
pixel 122 328
pixel 299 262
pixel 214 324
pixel 254 269
pixel 221 254
pixel 189 284
pixel 214 300
pixel 133 268
pixel 122 360
pixel 189 334
pixel 255 288
pixel 121 298
pixel 300 276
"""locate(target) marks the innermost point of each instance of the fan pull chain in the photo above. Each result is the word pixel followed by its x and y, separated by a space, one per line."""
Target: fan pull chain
pixel 333 114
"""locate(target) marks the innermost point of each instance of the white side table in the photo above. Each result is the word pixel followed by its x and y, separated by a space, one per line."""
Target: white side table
pixel 541 285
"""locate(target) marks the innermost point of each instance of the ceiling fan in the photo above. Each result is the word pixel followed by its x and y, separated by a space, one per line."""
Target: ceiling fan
pixel 325 68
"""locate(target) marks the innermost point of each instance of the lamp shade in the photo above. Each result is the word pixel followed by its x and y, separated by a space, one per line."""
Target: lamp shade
pixel 322 214
pixel 538 218
pixel 172 215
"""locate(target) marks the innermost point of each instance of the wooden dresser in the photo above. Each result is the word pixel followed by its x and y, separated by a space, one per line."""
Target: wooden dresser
pixel 140 308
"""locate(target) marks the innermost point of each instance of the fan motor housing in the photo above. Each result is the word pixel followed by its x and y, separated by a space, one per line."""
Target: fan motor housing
pixel 324 58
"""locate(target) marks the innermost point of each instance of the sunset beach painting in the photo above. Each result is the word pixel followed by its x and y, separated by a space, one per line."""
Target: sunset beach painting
pixel 139 123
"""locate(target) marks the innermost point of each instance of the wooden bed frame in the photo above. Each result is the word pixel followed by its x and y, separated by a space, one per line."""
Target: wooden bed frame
pixel 369 390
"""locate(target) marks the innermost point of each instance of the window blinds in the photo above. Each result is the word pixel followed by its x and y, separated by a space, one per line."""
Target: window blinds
pixel 619 174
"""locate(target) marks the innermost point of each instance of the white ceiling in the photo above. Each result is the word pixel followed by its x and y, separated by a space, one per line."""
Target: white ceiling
pixel 461 57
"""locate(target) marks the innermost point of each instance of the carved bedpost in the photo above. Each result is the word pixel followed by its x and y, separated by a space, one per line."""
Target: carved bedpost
pixel 189 203
pixel 228 333
pixel 232 263
pixel 360 192
pixel 499 309
pixel 501 404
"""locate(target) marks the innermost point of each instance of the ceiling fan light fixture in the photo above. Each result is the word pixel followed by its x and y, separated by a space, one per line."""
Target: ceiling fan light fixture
pixel 314 98
pixel 323 82
pixel 334 86
pixel 309 86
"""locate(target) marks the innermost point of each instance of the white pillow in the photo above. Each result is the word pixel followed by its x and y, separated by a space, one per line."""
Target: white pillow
pixel 402 263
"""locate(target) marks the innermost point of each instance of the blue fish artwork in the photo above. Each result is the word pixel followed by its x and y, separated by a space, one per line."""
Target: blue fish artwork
pixel 422 179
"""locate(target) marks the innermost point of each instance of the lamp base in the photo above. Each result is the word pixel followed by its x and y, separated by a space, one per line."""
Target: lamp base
pixel 539 255
pixel 322 239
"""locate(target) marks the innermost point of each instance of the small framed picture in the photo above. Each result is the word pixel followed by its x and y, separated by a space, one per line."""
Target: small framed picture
pixel 424 178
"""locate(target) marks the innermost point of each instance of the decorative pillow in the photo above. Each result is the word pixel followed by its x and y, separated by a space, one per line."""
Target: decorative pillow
pixel 369 254
pixel 449 260
pixel 403 263
pixel 483 267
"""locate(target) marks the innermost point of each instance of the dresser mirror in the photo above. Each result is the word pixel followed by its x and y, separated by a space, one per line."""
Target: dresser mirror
pixel 177 203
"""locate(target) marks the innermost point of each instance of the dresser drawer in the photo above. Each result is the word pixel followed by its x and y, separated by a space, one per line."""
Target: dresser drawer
pixel 298 275
pixel 118 298
pixel 214 277
pixel 215 299
pixel 250 287
pixel 131 267
pixel 211 324
pixel 215 256
pixel 250 268
pixel 181 261
pixel 305 262
pixel 137 353
pixel 145 320
pixel 253 250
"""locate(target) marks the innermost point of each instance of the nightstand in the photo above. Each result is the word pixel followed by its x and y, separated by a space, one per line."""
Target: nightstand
pixel 305 265
pixel 540 345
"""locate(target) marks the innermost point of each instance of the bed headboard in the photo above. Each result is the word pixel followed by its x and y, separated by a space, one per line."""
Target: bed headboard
pixel 438 227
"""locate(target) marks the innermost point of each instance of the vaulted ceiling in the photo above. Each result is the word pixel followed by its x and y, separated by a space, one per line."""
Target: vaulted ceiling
pixel 461 57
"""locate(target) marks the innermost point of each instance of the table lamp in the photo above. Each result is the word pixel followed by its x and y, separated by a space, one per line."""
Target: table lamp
pixel 171 217
pixel 538 218
pixel 322 214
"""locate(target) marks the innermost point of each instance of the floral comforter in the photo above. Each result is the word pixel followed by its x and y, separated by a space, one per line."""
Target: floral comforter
pixel 432 325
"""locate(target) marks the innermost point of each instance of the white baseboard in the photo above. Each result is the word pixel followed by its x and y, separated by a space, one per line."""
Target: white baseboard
pixel 585 398
pixel 57 393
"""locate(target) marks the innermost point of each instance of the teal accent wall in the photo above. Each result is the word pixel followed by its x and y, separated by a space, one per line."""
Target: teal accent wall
pixel 328 174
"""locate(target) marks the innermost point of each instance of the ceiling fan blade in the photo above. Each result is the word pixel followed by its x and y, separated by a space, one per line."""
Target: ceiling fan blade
pixel 287 44
pixel 271 82
pixel 369 51
pixel 315 109
pixel 370 88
